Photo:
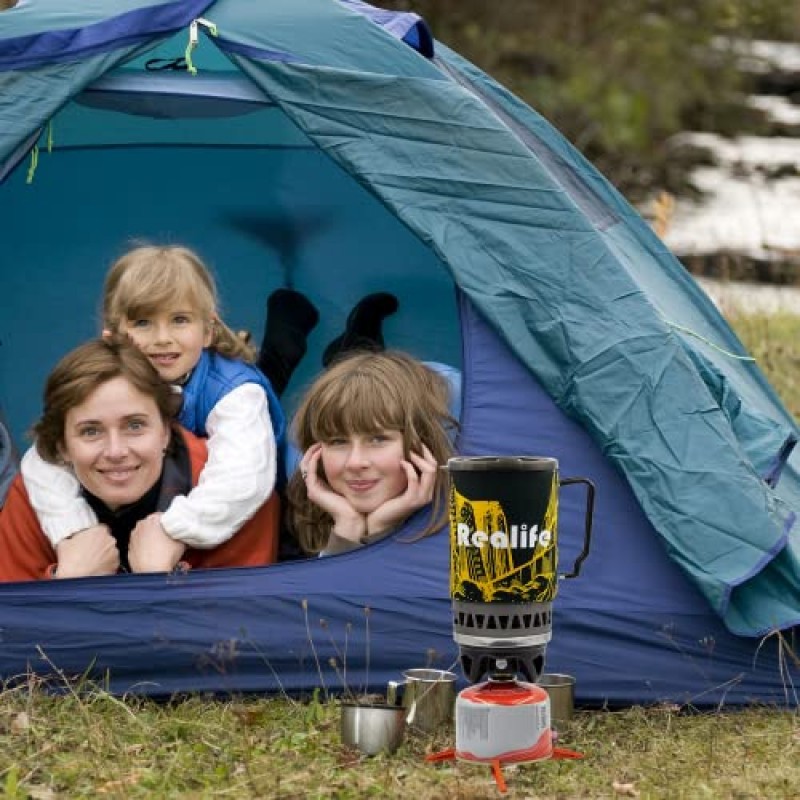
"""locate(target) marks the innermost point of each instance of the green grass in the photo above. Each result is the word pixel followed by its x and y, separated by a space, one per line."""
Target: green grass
pixel 94 745
pixel 774 341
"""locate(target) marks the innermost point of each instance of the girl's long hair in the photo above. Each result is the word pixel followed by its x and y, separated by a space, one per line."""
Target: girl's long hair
pixel 363 393
pixel 151 277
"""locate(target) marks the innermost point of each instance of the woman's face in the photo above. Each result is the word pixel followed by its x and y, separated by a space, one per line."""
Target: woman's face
pixel 365 468
pixel 115 441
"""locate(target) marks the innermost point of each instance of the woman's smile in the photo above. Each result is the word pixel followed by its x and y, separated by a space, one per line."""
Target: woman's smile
pixel 118 475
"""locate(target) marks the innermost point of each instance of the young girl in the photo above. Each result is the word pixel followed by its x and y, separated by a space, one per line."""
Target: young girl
pixel 373 429
pixel 164 300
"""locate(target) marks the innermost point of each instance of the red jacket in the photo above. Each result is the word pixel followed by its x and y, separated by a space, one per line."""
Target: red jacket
pixel 26 554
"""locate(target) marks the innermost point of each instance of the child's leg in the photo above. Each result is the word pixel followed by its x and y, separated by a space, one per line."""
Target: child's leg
pixel 290 318
pixel 363 329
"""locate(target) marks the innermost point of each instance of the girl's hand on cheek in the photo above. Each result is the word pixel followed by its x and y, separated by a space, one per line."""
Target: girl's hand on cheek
pixel 419 492
pixel 347 522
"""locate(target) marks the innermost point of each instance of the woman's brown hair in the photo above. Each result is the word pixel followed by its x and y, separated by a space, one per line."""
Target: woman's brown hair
pixel 364 393
pixel 83 370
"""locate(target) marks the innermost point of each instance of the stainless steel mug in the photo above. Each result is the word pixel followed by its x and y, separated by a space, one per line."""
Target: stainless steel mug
pixel 561 689
pixel 373 729
pixel 429 697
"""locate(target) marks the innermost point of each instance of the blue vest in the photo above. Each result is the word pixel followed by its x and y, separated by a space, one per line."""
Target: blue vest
pixel 215 376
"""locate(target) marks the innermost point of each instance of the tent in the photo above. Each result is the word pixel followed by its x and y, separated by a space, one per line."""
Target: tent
pixel 339 149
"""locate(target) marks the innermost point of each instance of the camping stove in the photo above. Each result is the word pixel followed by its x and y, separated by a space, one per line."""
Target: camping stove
pixel 503 579
pixel 504 561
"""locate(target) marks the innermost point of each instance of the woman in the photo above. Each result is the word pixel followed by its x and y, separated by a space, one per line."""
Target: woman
pixel 108 417
pixel 373 429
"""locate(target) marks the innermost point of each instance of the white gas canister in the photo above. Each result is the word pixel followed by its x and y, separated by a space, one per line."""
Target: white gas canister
pixel 505 720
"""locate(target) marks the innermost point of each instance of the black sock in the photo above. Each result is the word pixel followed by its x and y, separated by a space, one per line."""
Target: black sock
pixel 363 329
pixel 291 316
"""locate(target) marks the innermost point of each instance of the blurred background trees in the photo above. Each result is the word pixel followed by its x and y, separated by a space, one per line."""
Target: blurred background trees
pixel 619 78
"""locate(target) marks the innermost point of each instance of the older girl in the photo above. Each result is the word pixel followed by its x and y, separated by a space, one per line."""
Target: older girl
pixel 373 429
pixel 164 300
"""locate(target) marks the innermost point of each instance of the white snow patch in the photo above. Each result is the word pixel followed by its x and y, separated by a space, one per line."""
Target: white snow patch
pixel 744 211
pixel 778 109
pixel 763 56
pixel 769 56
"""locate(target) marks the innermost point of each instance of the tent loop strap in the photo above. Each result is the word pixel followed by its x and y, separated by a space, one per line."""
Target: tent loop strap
pixel 34 164
pixel 193 39
pixel 161 64
pixel 35 153
pixel 708 341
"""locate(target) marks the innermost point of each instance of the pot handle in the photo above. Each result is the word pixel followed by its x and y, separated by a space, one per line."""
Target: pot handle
pixel 587 533
pixel 391 692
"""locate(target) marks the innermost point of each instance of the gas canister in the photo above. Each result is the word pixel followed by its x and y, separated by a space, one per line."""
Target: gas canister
pixel 505 720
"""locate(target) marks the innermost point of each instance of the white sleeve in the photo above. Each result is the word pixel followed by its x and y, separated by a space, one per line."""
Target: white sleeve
pixel 56 498
pixel 238 477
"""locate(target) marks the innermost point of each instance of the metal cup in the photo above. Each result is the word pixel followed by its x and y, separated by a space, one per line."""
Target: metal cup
pixel 373 729
pixel 561 689
pixel 429 697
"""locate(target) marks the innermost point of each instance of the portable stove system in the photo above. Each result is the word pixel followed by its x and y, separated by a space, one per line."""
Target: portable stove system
pixel 503 580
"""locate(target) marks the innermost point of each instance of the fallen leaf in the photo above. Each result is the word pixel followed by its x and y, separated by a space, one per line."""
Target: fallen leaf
pixel 20 723
pixel 114 786
pixel 41 793
pixel 248 715
pixel 625 789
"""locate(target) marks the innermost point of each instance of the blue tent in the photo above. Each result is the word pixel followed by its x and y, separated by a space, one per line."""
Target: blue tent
pixel 339 149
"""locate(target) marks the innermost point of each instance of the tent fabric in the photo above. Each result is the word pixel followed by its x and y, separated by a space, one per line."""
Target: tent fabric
pixel 89 30
pixel 348 137
pixel 630 629
pixel 767 443
pixel 581 324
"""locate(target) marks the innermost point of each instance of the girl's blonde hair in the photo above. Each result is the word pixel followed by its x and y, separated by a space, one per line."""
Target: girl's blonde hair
pixel 364 393
pixel 151 277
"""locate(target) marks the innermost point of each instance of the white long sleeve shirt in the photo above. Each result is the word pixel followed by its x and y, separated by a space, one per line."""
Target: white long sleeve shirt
pixel 236 480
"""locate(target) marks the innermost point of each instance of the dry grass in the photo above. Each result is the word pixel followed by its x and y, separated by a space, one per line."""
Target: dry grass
pixel 774 341
pixel 94 745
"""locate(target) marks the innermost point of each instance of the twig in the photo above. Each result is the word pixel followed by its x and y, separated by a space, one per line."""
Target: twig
pixel 304 604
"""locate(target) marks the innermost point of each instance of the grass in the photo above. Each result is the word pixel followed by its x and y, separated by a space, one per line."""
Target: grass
pixel 94 745
pixel 88 744
pixel 774 341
